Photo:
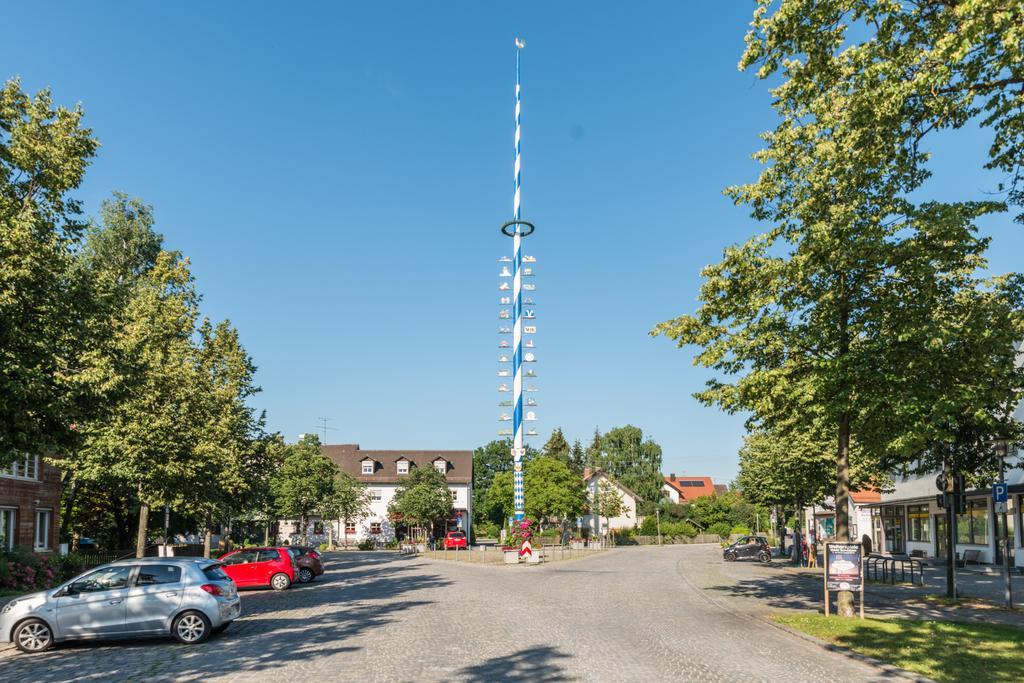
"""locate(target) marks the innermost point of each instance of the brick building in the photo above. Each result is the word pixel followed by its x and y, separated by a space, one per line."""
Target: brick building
pixel 29 505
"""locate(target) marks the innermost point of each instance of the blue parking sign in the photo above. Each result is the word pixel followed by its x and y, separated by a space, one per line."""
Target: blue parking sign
pixel 1000 493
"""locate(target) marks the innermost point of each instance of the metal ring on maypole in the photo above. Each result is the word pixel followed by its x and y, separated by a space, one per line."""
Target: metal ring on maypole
pixel 505 228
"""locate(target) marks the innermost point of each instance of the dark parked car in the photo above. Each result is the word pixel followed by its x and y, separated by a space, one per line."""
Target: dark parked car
pixel 311 565
pixel 748 547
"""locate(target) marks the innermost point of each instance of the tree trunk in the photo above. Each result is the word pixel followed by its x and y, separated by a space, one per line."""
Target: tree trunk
pixel 266 530
pixel 120 523
pixel 844 601
pixel 344 534
pixel 304 522
pixel 207 538
pixel 140 540
pixel 330 534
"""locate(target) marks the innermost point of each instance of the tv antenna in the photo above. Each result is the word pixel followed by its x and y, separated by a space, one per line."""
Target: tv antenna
pixel 323 427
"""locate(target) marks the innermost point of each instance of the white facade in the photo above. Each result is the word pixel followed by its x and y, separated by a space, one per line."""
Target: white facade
pixel 821 518
pixel 598 524
pixel 670 493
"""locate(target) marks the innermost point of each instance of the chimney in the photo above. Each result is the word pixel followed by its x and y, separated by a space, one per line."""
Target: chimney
pixel 672 476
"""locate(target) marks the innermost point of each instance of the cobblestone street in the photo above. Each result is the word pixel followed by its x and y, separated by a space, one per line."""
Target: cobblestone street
pixel 630 614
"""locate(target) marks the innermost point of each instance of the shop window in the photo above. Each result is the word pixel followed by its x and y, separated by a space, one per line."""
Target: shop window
pixel 918 518
pixel 972 527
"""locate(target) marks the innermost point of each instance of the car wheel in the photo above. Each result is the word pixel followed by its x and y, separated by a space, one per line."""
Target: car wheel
pixel 191 628
pixel 280 582
pixel 305 575
pixel 223 627
pixel 730 557
pixel 33 635
pixel 765 556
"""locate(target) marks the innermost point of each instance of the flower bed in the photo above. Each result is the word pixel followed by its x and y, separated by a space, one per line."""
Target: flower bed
pixel 25 572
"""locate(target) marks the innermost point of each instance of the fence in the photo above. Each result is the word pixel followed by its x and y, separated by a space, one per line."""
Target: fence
pixel 495 555
pixel 670 540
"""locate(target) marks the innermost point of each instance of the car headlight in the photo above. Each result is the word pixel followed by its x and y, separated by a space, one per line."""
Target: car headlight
pixel 9 607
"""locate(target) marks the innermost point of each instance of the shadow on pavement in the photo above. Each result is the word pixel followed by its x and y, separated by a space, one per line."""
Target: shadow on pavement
pixel 533 664
pixel 276 628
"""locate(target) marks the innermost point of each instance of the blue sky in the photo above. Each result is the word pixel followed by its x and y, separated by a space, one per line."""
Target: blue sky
pixel 338 174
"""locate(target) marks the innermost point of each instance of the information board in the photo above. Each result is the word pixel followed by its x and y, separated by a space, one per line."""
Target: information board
pixel 843 566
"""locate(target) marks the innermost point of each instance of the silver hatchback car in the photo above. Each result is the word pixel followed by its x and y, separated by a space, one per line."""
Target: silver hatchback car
pixel 185 598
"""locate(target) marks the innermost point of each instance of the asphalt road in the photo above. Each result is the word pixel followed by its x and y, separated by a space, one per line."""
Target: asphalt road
pixel 637 614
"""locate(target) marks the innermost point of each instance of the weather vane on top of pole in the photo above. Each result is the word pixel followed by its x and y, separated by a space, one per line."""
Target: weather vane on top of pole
pixel 517 229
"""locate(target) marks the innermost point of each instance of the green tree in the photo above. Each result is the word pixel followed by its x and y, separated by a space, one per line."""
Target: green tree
pixel 906 69
pixel 422 499
pixel 552 490
pixel 577 458
pixel 149 441
pixel 632 460
pixel 349 500
pixel 488 461
pixel 498 503
pixel 303 482
pixel 44 151
pixel 557 447
pixel 594 451
pixel 607 502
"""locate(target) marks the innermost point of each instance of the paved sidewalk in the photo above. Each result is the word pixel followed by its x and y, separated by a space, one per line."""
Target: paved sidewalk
pixel 761 589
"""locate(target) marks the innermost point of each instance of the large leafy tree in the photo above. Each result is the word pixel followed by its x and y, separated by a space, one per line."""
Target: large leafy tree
pixel 150 441
pixel 839 311
pixel 552 490
pixel 422 499
pixel 349 500
pixel 631 459
pixel 305 479
pixel 924 65
pixel 44 151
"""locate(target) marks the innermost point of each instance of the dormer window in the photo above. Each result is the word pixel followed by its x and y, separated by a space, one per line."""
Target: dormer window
pixel 367 467
pixel 441 465
pixel 403 467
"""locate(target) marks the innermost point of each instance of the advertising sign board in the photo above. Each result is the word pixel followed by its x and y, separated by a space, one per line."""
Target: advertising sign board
pixel 843 566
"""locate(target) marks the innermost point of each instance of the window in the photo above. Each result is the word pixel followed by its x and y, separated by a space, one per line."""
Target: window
pixel 7 528
pixel 375 494
pixel 918 517
pixel 26 468
pixel 107 579
pixel 43 529
pixel 367 467
pixel 403 467
pixel 269 556
pixel 374 527
pixel 441 466
pixel 214 573
pixel 972 526
pixel 241 557
pixel 455 494
pixel 154 574
pixel 350 527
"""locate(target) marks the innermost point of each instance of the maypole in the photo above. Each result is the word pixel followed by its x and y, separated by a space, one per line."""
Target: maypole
pixel 517 229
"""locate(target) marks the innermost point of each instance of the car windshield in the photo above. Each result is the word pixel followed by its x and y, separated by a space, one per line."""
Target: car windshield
pixel 214 572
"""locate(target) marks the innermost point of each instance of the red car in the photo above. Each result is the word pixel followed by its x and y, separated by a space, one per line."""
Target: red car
pixel 252 567
pixel 455 539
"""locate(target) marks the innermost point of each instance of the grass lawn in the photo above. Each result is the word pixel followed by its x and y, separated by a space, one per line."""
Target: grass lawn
pixel 942 650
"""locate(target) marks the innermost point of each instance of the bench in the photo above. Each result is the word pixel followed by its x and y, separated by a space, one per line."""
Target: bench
pixel 970 555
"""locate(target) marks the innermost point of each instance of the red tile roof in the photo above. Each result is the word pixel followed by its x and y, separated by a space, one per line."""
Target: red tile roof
pixel 867 496
pixel 690 488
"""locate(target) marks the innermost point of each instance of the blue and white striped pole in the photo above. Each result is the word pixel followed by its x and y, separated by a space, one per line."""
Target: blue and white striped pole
pixel 519 500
